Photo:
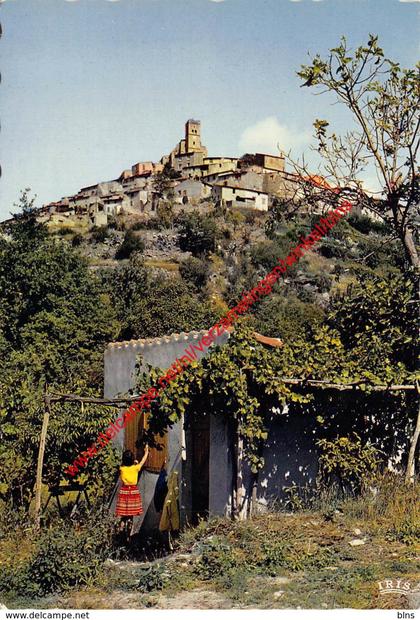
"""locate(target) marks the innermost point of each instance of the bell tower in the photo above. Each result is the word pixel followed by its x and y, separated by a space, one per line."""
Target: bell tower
pixel 193 136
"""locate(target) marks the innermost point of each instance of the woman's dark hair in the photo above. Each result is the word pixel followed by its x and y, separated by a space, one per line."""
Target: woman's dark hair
pixel 127 458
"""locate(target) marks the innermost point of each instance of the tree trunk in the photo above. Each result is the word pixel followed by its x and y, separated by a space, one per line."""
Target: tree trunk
pixel 411 468
pixel 411 250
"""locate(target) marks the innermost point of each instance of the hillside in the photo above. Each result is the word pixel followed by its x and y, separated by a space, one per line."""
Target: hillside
pixel 217 254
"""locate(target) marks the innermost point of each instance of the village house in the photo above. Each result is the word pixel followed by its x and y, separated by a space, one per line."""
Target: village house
pixel 233 196
pixel 190 191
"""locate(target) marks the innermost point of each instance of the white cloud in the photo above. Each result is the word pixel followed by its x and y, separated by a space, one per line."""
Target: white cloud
pixel 409 0
pixel 268 135
pixel 217 0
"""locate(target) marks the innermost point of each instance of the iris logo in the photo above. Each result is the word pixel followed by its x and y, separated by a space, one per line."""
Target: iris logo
pixel 396 586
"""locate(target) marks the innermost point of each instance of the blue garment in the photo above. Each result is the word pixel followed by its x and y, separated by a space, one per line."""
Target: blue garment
pixel 161 490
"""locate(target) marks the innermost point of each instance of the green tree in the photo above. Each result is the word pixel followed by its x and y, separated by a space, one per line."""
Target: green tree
pixel 194 271
pixel 131 243
pixel 55 320
pixel 197 234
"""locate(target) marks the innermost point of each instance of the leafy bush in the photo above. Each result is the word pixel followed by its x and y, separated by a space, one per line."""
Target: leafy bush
pixel 65 230
pixel 150 307
pixel 267 253
pixel 139 225
pixel 235 217
pixel 130 244
pixel 348 461
pixel 195 271
pixel 165 215
pixel 216 559
pixel 365 224
pixel 322 281
pixel 64 557
pixel 197 234
pixel 77 240
pixel 284 317
pixel 152 578
pixel 331 248
pixel 99 233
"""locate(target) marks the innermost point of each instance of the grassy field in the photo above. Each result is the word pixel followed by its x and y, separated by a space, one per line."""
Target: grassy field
pixel 273 561
pixel 335 555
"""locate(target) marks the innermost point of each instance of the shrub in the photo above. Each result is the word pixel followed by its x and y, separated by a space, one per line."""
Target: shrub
pixel 65 230
pixel 139 225
pixel 197 234
pixel 195 271
pixel 99 233
pixel 331 248
pixel 154 577
pixel 130 244
pixel 365 224
pixel 165 215
pixel 267 253
pixel 216 559
pixel 235 217
pixel 64 557
pixel 77 240
pixel 347 461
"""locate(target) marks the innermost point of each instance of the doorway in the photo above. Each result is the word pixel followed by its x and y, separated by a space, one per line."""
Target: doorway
pixel 200 465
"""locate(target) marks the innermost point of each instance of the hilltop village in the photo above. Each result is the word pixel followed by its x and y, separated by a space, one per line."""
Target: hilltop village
pixel 188 174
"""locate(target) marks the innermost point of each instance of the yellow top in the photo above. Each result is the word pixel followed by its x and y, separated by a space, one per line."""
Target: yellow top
pixel 129 473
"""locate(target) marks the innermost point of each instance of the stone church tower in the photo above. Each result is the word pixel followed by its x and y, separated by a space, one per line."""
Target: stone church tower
pixel 193 136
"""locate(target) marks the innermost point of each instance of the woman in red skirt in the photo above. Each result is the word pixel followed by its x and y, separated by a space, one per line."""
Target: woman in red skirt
pixel 129 503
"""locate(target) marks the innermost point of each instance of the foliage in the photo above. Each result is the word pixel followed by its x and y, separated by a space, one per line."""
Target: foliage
pixel 63 557
pixel 165 215
pixel 389 506
pixel 77 240
pixel 266 254
pixel 216 559
pixel 284 317
pixel 331 248
pixel 237 380
pixel 25 227
pixel 197 234
pixel 65 230
pixel 384 100
pixel 377 320
pixel 366 224
pixel 348 461
pixel 99 233
pixel 153 578
pixel 131 244
pixel 194 271
pixel 163 186
pixel 145 304
pixel 368 339
pixel 55 321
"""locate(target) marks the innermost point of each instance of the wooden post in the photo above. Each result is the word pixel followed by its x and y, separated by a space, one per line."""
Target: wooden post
pixel 38 483
pixel 239 481
pixel 411 469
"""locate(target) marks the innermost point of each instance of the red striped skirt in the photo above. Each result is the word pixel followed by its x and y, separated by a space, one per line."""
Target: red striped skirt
pixel 129 502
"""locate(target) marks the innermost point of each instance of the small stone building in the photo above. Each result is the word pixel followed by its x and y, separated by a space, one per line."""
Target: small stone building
pixel 202 450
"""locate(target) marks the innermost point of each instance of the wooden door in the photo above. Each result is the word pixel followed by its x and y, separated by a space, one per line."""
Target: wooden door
pixel 133 439
pixel 200 430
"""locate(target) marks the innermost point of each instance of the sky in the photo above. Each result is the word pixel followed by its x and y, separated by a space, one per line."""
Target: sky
pixel 90 87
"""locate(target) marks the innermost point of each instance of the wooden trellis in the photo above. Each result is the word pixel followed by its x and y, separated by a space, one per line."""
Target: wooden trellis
pixel 53 397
